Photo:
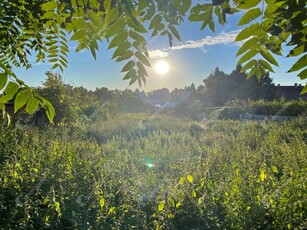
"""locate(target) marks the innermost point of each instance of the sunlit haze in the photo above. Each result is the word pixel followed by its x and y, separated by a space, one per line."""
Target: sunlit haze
pixel 161 67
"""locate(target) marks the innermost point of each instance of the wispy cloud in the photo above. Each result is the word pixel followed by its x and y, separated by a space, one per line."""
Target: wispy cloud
pixel 158 53
pixel 222 38
pixel 42 63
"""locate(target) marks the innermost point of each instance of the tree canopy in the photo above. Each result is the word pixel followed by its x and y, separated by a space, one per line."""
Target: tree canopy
pixel 222 88
pixel 44 28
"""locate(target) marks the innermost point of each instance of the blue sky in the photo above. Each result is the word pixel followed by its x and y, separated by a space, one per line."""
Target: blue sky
pixel 190 60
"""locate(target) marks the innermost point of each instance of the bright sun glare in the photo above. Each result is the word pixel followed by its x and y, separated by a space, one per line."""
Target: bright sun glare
pixel 162 67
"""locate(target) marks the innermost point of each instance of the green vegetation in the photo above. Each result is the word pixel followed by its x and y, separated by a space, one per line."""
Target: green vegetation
pixel 236 86
pixel 128 160
pixel 114 161
pixel 261 107
pixel 169 174
pixel 44 28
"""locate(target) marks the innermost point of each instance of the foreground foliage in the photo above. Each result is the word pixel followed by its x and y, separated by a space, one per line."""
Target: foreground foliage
pixel 162 174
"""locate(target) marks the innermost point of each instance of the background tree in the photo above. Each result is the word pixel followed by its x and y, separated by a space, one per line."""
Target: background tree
pixel 159 96
pixel 62 97
pixel 251 88
pixel 221 88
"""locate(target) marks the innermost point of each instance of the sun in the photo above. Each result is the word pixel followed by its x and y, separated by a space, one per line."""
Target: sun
pixel 161 67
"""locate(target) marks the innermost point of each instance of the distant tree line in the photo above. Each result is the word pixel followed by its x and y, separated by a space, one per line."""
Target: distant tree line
pixel 219 89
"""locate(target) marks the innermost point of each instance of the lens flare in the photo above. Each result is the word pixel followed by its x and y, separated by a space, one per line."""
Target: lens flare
pixel 150 165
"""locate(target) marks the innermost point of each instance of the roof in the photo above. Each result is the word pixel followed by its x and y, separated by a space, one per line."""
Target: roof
pixel 290 92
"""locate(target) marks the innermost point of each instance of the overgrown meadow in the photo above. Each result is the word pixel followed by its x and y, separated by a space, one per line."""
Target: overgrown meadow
pixel 157 160
pixel 164 173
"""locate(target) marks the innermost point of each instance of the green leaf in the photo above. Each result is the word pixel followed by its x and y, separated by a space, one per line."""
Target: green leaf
pixel 78 35
pixel 137 37
pixel 133 79
pixel 136 25
pixel 139 46
pixel 274 169
pixel 111 16
pixel 301 63
pixel 118 39
pixel 115 28
pixel 172 202
pixel 190 179
pixel 63 63
pixel 161 206
pixel 142 58
pixel 52 60
pixel 212 25
pixel 150 12
pixel 49 111
pixel 266 65
pixel 121 49
pixel 78 23
pixel 252 71
pixel 2 106
pixel 206 18
pixel 234 10
pixel 304 90
pixel 248 45
pixel 141 68
pixel 111 210
pixel 262 175
pixel 49 15
pixel 218 12
pixel 107 5
pixel 128 66
pixel 3 80
pixel 247 56
pixel 185 6
pixel 95 19
pixel 32 105
pixel 181 181
pixel 101 202
pixel 130 74
pixel 155 22
pixel 270 10
pixel 93 50
pixel 193 194
pixel 303 75
pixel 174 31
pixel 21 99
pixel 143 78
pixel 249 16
pixel 260 72
pixel 49 6
pixel 125 56
pixel 10 90
pixel 247 32
pixel 247 4
pixel 143 4
pixel 298 50
pixel 140 81
pixel 57 207
pixel 266 54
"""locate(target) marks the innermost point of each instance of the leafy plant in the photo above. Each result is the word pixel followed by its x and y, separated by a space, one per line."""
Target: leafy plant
pixel 232 175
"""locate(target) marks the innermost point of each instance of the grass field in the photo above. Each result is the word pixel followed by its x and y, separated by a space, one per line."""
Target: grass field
pixel 139 171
